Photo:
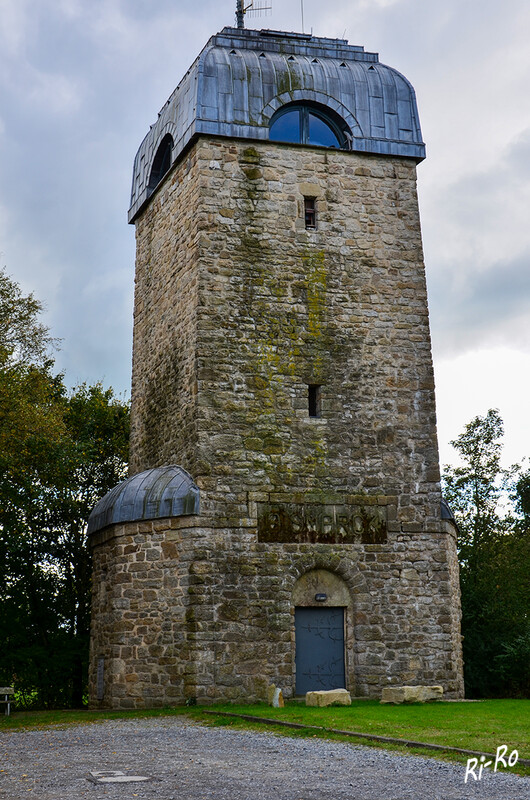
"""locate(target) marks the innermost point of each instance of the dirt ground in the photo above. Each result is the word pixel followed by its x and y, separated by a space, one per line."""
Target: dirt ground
pixel 183 760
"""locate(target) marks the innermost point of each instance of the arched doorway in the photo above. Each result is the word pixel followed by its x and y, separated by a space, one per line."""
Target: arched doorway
pixel 322 611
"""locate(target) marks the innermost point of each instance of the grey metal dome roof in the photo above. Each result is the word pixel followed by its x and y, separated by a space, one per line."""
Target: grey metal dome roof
pixel 243 76
pixel 153 494
pixel 447 513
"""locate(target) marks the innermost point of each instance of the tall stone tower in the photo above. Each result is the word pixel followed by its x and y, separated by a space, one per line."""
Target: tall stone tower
pixel 283 520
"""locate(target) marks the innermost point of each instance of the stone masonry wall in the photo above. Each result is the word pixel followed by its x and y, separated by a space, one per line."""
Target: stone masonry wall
pixel 183 611
pixel 239 308
pixel 164 380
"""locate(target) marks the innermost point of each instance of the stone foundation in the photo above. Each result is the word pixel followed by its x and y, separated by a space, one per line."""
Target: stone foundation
pixel 182 611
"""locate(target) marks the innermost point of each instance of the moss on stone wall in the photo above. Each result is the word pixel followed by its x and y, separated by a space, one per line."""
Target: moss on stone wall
pixel 277 308
pixel 238 308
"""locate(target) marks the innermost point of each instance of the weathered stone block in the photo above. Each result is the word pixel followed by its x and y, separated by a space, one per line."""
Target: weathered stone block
pixel 411 694
pixel 339 697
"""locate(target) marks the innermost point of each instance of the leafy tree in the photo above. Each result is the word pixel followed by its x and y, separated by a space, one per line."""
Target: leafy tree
pixel 97 424
pixel 31 435
pixel 494 553
pixel 45 604
pixel 522 499
pixel 60 452
pixel 473 489
pixel 23 338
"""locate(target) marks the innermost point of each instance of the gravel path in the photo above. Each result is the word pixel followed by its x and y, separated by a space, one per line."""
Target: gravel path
pixel 188 761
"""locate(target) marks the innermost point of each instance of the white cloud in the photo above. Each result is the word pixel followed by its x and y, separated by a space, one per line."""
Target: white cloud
pixel 369 4
pixel 16 19
pixel 71 9
pixel 471 384
pixel 54 94
pixel 477 246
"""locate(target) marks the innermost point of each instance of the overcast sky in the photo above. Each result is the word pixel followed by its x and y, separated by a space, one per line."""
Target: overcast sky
pixel 82 80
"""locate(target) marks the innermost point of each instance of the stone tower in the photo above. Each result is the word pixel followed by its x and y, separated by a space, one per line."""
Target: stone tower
pixel 283 520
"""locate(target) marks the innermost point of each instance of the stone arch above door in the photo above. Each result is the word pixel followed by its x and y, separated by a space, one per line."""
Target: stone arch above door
pixel 322 633
pixel 320 582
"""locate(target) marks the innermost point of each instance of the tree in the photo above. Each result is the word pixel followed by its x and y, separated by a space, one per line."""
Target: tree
pixel 60 452
pixel 521 497
pixel 23 338
pixel 31 434
pixel 494 554
pixel 473 489
pixel 45 505
pixel 97 424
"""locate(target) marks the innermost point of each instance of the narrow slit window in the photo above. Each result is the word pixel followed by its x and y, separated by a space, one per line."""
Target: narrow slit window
pixel 314 400
pixel 310 212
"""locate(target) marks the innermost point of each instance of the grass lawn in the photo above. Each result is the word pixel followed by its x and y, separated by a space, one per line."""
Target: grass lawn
pixel 482 726
pixel 43 719
pixel 474 726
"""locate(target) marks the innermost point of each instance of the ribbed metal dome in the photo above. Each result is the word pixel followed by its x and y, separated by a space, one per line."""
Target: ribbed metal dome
pixel 153 494
pixel 446 511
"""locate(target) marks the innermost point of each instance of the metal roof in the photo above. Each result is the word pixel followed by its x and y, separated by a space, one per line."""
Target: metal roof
pixel 153 494
pixel 446 512
pixel 243 76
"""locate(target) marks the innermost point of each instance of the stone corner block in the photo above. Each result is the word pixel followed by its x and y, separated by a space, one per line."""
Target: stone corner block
pixel 339 696
pixel 411 694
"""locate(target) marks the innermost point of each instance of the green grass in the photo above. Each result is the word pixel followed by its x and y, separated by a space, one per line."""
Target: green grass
pixel 473 726
pixel 43 719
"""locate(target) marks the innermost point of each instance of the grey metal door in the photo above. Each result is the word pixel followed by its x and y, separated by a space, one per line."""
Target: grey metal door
pixel 319 656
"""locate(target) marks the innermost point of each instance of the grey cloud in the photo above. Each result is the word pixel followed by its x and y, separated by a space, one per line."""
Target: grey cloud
pixel 80 83
pixel 492 308
pixel 83 87
pixel 478 293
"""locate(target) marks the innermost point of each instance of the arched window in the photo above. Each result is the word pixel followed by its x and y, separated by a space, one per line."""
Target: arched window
pixel 304 123
pixel 161 162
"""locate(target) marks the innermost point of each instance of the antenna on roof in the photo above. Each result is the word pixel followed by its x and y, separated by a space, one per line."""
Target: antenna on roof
pixel 254 7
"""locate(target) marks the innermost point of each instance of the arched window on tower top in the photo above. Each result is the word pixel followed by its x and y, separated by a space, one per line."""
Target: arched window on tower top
pixel 161 161
pixel 307 123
